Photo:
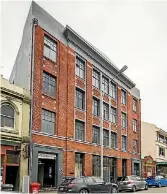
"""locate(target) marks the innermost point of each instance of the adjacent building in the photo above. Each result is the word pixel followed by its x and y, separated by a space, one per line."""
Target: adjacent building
pixel 14 131
pixel 153 149
pixel 84 122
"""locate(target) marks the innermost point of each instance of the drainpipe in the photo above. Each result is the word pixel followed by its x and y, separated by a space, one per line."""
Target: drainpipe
pixel 34 23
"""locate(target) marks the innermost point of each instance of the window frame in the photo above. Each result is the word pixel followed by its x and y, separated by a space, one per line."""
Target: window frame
pixel 83 130
pixel 53 43
pixel 53 116
pixel 79 92
pixel 160 151
pixel 10 117
pixel 48 92
pixel 79 69
pixel 134 105
pixel 105 137
pixel 96 135
pixel 105 84
pixel 123 97
pixel 115 139
pixel 123 120
pixel 125 138
pixel 113 90
pixel 97 107
pixel 96 79
pixel 135 147
pixel 113 115
pixel 134 125
pixel 105 111
pixel 96 166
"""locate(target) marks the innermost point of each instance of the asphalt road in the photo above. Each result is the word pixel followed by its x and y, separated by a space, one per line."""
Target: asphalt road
pixel 154 190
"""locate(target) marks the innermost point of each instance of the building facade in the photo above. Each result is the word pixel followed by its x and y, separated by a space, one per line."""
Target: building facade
pixel 83 121
pixel 14 131
pixel 153 149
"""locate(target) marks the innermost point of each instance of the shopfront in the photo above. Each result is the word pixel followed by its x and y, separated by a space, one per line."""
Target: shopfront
pixel 136 167
pixel 161 168
pixel 46 166
pixel 10 164
pixel 148 167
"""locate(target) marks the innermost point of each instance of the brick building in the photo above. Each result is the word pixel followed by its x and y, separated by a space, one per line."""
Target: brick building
pixel 71 85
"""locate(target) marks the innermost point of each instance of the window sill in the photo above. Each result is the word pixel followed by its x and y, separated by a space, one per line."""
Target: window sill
pixel 83 110
pixel 124 150
pixel 49 59
pixel 77 76
pixel 96 116
pixel 97 144
pixel 54 98
pixel 8 130
pixel 94 87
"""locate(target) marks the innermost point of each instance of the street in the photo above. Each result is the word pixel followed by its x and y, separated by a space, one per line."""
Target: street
pixel 155 190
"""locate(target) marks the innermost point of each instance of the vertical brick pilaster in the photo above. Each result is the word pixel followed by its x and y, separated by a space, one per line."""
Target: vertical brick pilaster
pixel 88 165
pixel 139 124
pixel 119 166
pixel 71 93
pixel 37 79
pixel 119 137
pixel 89 102
pixel 129 167
pixel 130 122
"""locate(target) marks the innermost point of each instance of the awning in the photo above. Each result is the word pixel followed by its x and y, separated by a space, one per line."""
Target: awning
pixel 161 163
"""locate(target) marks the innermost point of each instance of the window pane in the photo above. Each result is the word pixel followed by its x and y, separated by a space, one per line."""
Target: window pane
pixel 80 68
pixel 46 51
pixel 49 85
pixel 7 122
pixel 79 130
pixel 49 48
pixel 48 122
pixel 7 110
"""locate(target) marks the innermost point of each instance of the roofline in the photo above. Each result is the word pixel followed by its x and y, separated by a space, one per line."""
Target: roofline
pixel 68 28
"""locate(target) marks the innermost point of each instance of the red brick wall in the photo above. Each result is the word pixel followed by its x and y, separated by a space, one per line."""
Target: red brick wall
pixel 63 106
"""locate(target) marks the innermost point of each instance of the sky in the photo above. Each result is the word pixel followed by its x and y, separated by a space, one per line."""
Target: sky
pixel 128 32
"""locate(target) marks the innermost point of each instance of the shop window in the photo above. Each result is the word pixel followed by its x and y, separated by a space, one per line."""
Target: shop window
pixel 12 157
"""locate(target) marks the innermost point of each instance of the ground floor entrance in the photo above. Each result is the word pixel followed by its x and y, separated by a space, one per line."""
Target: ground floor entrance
pixel 161 168
pixel 148 166
pixel 10 166
pixel 46 170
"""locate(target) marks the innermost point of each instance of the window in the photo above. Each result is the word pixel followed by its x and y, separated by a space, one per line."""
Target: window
pixel 49 48
pixel 48 121
pixel 96 79
pixel 105 137
pixel 49 85
pixel 105 85
pixel 80 99
pixel 109 167
pixel 113 90
pixel 96 166
pixel 90 180
pixel 124 167
pixel 161 151
pixel 134 146
pixel 134 105
pixel 105 111
pixel 80 68
pixel 113 140
pixel 161 138
pixel 79 165
pixel 12 157
pixel 123 97
pixel 79 130
pixel 7 116
pixel 113 115
pixel 124 143
pixel 96 107
pixel 123 120
pixel 134 125
pixel 96 135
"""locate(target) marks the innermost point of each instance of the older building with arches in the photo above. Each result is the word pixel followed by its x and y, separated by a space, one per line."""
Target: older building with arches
pixel 14 131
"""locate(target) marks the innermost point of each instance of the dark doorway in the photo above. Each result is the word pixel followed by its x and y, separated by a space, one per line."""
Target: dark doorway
pixel 123 167
pixel 12 176
pixel 136 169
pixel 46 172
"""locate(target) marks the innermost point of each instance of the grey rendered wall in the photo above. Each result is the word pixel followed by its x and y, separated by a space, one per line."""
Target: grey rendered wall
pixel 22 67
pixel 58 164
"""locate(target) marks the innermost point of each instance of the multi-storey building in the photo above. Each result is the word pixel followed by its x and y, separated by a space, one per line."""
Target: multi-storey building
pixel 154 148
pixel 83 121
pixel 14 132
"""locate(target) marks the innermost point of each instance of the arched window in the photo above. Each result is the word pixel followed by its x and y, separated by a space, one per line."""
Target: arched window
pixel 7 116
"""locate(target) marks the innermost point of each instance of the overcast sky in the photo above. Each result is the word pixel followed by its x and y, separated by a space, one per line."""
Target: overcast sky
pixel 128 32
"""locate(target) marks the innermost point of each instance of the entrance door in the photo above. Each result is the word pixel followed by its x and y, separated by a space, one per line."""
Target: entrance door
pixel 12 176
pixel 136 169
